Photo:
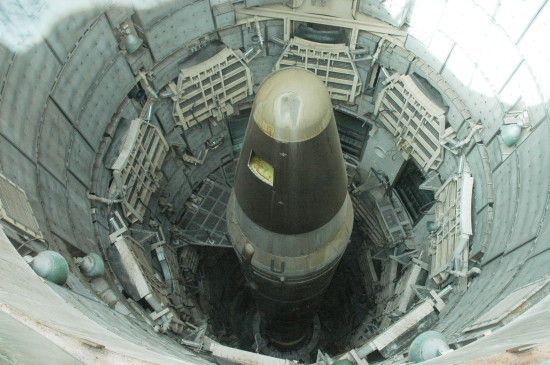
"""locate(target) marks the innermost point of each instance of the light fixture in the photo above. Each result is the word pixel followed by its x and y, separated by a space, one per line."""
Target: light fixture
pixel 131 41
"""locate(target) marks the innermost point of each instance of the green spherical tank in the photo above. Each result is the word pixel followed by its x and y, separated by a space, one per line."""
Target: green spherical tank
pixel 51 266
pixel 91 266
pixel 510 134
pixel 426 346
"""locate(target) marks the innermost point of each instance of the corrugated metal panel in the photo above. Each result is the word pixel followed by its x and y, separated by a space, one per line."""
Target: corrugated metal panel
pixel 15 208
pixel 136 170
pixel 24 175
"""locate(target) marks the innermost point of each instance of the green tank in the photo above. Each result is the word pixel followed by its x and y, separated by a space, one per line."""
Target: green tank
pixel 427 345
pixel 51 266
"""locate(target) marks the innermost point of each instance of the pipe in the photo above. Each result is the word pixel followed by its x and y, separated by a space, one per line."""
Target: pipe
pixel 244 357
pixel 458 261
pixel 359 51
pixel 457 144
pixel 142 76
pixel 278 41
pixel 249 52
pixel 472 271
pixel 446 290
pixel 99 199
pixel 377 53
pixel 166 94
pixel 259 32
pixel 363 59
pixel 149 113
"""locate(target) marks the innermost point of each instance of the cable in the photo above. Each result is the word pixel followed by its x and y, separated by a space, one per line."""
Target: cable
pixel 394 154
pixel 384 180
pixel 426 205
pixel 34 239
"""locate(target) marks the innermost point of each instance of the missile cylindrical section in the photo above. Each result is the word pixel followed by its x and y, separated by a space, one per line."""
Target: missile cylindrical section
pixel 290 216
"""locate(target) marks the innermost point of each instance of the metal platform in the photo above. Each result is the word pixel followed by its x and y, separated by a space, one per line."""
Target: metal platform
pixel 204 224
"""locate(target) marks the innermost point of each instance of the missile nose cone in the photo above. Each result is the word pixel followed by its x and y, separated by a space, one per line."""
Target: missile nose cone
pixel 292 105
pixel 290 216
pixel 291 176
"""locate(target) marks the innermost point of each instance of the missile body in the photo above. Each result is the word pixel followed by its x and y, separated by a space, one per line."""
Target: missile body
pixel 290 216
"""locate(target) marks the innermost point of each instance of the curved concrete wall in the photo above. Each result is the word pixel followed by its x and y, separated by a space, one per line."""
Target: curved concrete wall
pixel 492 56
pixel 60 98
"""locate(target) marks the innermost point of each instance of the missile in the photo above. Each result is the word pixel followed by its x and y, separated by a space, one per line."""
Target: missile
pixel 290 216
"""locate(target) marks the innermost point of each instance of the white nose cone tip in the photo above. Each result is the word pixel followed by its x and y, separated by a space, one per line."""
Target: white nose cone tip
pixel 292 105
pixel 289 106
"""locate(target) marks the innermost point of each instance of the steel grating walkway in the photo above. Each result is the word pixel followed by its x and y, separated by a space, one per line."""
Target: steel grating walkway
pixel 206 225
